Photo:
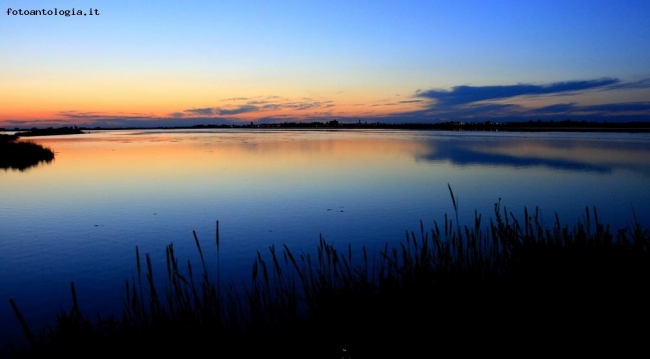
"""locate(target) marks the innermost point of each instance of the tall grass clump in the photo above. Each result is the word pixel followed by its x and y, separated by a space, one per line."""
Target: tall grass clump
pixel 20 155
pixel 496 287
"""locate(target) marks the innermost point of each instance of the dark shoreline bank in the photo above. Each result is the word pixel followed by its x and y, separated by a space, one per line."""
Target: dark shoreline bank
pixel 20 155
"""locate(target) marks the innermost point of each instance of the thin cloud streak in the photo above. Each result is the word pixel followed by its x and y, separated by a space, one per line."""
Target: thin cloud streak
pixel 270 103
pixel 612 108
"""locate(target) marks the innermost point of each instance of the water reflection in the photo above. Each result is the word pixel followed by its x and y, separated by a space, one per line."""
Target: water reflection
pixel 567 154
pixel 21 165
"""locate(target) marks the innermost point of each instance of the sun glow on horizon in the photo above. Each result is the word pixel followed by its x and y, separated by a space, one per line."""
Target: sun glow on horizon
pixel 382 61
pixel 74 107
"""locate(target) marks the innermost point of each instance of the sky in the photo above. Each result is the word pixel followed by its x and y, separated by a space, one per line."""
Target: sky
pixel 173 63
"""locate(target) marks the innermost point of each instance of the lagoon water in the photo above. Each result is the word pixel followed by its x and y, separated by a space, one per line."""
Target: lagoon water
pixel 79 218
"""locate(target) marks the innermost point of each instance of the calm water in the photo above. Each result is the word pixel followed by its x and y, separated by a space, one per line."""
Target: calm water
pixel 80 217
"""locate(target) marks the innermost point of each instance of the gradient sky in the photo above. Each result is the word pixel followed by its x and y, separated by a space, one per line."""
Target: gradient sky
pixel 152 63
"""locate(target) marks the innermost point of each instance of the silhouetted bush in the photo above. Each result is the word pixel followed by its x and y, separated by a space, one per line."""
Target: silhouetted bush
pixel 20 155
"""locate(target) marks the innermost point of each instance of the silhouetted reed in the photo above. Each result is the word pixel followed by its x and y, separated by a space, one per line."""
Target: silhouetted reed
pixel 513 282
pixel 20 155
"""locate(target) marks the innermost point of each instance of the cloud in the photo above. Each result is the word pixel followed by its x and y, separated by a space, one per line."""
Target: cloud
pixel 72 114
pixel 271 106
pixel 107 120
pixel 516 102
pixel 262 106
pixel 639 84
pixel 619 107
pixel 222 111
pixel 206 111
pixel 560 107
pixel 607 108
pixel 502 103
pixel 36 123
pixel 303 105
pixel 236 111
pixel 460 95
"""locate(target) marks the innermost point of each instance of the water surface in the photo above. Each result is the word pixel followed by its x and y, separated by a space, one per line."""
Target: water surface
pixel 80 217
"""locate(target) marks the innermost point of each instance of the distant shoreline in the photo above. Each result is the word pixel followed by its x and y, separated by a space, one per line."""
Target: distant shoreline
pixel 489 126
pixel 49 131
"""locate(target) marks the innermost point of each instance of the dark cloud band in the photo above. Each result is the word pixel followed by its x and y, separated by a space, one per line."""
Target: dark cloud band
pixel 460 95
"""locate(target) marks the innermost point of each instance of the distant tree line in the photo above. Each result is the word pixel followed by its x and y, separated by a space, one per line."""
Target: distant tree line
pixel 532 125
pixel 67 130
pixel 539 125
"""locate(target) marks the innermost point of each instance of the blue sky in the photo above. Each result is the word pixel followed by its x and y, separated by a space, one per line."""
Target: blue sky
pixel 188 62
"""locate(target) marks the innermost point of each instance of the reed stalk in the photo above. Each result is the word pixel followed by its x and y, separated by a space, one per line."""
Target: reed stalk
pixel 515 271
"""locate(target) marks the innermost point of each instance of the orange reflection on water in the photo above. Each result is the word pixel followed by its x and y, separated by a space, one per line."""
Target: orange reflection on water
pixel 154 157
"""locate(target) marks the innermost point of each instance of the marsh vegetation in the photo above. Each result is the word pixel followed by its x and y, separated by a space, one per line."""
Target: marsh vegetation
pixel 510 283
pixel 20 155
